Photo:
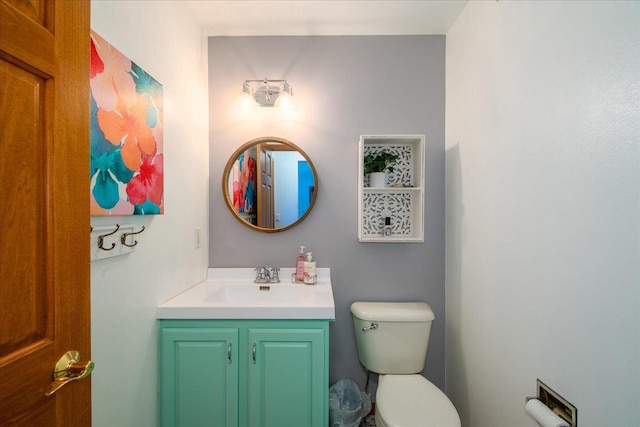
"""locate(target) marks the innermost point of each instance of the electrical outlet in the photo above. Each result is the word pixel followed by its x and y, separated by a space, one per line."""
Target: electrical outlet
pixel 198 238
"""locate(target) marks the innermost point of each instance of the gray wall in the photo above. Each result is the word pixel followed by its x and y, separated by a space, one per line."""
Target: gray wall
pixel 344 87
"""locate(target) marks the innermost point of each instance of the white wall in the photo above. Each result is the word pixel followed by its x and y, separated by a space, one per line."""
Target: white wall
pixel 164 39
pixel 543 209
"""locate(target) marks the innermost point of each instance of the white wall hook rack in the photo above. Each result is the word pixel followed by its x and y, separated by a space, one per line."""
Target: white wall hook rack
pixel 112 240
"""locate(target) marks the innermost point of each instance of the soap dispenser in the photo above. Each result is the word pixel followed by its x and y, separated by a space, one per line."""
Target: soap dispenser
pixel 300 265
pixel 310 276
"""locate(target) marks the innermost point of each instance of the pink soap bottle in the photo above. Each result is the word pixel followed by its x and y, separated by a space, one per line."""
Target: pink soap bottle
pixel 300 265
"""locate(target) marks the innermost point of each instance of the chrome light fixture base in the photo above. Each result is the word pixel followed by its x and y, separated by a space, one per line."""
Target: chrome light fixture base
pixel 266 92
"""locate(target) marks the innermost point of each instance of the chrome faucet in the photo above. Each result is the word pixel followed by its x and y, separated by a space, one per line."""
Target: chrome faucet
pixel 267 274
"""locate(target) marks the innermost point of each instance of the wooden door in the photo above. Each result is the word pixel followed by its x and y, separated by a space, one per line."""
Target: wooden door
pixel 266 215
pixel 44 202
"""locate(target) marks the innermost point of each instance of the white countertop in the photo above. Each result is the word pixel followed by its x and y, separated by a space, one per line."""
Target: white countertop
pixel 230 293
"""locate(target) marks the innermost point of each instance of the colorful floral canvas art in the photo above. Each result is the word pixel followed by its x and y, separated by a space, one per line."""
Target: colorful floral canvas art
pixel 244 186
pixel 126 135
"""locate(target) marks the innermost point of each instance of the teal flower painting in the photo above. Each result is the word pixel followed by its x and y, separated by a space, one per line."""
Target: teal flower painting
pixel 127 161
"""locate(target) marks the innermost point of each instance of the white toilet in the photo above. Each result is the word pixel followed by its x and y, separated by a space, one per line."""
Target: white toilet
pixel 392 340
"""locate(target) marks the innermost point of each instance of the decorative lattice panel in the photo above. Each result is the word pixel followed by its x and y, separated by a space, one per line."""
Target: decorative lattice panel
pixel 403 169
pixel 375 206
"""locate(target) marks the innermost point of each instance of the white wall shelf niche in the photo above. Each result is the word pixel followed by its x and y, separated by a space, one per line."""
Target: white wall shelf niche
pixel 402 199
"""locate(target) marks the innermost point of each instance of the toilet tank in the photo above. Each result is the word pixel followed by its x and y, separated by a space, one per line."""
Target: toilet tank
pixel 398 344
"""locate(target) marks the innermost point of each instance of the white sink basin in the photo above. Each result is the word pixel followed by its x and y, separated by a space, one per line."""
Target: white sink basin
pixel 261 292
pixel 230 293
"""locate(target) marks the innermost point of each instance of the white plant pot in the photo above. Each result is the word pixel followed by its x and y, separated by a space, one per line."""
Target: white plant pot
pixel 378 179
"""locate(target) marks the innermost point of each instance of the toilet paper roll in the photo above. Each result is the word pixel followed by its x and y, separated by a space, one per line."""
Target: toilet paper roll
pixel 543 415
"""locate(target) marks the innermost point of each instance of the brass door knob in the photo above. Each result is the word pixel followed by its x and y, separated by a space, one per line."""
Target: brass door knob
pixel 68 369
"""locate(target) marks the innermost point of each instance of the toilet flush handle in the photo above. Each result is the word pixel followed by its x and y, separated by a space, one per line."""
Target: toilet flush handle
pixel 373 325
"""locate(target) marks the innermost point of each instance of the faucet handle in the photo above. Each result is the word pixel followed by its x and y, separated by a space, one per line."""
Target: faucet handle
pixel 260 274
pixel 274 274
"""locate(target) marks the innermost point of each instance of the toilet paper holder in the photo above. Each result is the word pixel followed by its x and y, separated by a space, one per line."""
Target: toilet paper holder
pixel 554 401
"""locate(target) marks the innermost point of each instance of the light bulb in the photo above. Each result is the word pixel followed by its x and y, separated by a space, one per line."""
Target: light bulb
pixel 286 107
pixel 245 102
pixel 246 107
pixel 286 103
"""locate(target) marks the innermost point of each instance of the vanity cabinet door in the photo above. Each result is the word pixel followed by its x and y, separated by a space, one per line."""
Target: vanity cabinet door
pixel 287 380
pixel 199 377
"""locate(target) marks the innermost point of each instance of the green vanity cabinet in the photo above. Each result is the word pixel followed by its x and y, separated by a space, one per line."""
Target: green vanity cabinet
pixel 287 378
pixel 199 376
pixel 245 373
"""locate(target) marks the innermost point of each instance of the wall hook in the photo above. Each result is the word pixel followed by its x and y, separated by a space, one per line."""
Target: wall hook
pixel 102 236
pixel 123 238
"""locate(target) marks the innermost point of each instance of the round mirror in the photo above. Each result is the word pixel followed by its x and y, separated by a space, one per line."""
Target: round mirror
pixel 269 184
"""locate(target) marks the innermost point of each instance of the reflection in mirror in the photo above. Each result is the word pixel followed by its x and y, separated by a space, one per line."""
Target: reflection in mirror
pixel 269 184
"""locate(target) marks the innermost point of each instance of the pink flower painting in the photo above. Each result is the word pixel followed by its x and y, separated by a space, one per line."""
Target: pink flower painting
pixel 127 171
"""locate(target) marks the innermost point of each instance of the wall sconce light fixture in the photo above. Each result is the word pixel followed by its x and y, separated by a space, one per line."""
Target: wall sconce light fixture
pixel 267 93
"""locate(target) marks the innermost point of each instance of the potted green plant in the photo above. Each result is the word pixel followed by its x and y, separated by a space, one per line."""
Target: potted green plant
pixel 376 166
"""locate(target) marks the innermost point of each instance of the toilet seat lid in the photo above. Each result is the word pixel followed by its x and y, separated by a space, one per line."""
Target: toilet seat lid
pixel 413 401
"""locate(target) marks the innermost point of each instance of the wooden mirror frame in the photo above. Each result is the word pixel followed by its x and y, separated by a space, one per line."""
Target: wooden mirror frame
pixel 255 142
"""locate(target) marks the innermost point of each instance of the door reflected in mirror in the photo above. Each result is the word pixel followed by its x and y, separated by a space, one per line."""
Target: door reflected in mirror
pixel 269 184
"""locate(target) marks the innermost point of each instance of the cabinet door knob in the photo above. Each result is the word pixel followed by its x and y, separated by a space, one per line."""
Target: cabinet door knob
pixel 253 353
pixel 229 352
